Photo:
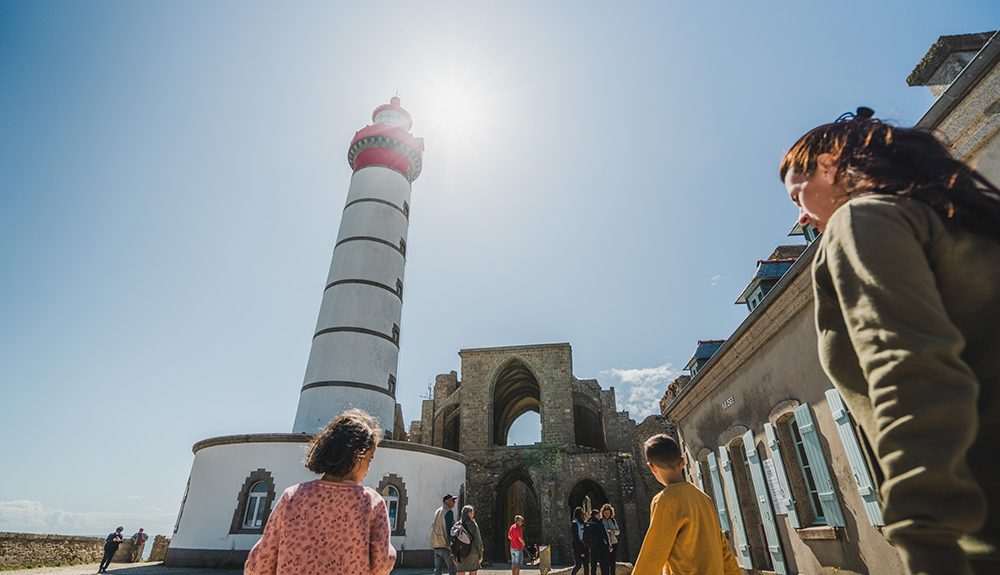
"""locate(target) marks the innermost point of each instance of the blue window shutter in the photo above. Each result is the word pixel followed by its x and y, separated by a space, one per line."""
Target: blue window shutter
pixel 720 503
pixel 696 468
pixel 818 467
pixel 779 468
pixel 764 504
pixel 739 532
pixel 859 467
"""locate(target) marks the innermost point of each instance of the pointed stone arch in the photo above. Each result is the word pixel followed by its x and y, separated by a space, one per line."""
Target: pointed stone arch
pixel 514 390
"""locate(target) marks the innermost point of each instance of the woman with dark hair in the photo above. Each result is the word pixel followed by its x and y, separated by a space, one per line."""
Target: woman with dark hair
pixel 609 559
pixel 580 555
pixel 470 563
pixel 332 524
pixel 907 295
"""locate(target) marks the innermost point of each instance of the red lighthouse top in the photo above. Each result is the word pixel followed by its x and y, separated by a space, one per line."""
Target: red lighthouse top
pixel 388 142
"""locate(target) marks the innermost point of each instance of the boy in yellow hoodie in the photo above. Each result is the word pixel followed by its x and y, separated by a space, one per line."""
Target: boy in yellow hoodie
pixel 684 536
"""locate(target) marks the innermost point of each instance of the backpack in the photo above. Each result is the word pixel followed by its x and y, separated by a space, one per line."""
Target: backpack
pixel 593 536
pixel 460 540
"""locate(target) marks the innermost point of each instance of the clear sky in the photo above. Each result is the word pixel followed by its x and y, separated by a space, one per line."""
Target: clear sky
pixel 172 176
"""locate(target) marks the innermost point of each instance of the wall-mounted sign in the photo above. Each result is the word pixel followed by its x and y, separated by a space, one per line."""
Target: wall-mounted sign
pixel 729 402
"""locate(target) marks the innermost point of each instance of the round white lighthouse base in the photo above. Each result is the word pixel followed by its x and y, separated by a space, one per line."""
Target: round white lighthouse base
pixel 213 529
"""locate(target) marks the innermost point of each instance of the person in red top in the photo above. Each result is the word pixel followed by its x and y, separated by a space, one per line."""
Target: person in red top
pixel 516 536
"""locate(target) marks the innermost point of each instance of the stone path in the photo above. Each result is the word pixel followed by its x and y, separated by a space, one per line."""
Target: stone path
pixel 159 569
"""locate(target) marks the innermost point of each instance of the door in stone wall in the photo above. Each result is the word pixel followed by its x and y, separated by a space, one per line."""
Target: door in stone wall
pixel 516 498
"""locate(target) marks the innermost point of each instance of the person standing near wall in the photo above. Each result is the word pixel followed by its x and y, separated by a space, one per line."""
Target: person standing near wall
pixel 444 518
pixel 907 295
pixel 110 547
pixel 576 528
pixel 138 543
pixel 610 558
pixel 516 536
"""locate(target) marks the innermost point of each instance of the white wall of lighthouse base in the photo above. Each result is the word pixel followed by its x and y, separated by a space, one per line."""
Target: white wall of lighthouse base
pixel 219 471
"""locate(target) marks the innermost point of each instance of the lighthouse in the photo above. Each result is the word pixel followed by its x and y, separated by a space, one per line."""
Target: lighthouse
pixel 355 348
pixel 235 480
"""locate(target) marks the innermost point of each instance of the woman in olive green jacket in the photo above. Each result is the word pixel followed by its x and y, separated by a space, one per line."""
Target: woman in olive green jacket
pixel 907 292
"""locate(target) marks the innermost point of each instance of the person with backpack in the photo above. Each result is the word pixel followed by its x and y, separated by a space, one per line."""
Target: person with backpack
pixel 466 543
pixel 595 537
pixel 576 528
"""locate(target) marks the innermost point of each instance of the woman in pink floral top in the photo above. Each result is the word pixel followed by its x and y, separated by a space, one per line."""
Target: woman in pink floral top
pixel 333 524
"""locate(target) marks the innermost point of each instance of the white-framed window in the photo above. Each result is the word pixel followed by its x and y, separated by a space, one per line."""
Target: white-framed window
pixel 805 467
pixel 391 496
pixel 256 506
pixel 755 298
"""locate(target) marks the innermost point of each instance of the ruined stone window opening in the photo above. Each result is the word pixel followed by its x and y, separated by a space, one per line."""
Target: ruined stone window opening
pixel 515 392
pixel 588 428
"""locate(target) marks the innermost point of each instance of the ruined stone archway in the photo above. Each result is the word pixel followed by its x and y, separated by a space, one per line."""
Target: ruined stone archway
pixel 588 495
pixel 515 495
pixel 515 391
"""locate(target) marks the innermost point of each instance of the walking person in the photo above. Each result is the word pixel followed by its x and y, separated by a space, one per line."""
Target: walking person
pixel 907 292
pixel 471 562
pixel 516 536
pixel 580 555
pixel 610 558
pixel 444 518
pixel 332 524
pixel 684 535
pixel 595 538
pixel 110 548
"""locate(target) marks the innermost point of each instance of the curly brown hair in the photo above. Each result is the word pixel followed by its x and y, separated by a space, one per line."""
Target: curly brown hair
pixel 876 158
pixel 337 448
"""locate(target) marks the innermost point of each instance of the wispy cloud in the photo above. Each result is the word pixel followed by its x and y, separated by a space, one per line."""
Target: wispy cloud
pixel 714 280
pixel 639 389
pixel 26 516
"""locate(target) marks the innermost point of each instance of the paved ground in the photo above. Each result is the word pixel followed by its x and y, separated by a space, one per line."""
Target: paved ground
pixel 158 569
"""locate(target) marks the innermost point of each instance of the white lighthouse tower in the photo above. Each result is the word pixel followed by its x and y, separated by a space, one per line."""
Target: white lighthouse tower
pixel 236 479
pixel 355 349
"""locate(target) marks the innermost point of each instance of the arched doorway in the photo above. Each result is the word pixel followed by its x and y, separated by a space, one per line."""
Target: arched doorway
pixel 588 495
pixel 515 495
pixel 515 392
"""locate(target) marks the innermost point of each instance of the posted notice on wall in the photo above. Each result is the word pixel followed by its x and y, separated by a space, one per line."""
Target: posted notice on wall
pixel 775 488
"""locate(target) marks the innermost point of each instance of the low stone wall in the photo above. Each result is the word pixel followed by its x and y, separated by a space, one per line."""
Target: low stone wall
pixel 27 550
pixel 159 551
pixel 24 550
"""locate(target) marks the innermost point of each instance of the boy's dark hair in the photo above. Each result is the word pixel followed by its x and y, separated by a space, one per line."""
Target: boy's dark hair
pixel 337 448
pixel 662 451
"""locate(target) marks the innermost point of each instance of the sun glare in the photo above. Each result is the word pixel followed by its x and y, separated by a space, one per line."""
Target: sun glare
pixel 455 109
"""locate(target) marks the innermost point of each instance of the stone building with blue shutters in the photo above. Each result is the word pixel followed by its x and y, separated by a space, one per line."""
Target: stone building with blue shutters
pixel 764 433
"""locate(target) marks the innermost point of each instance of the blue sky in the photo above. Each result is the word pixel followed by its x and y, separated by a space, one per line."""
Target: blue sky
pixel 172 176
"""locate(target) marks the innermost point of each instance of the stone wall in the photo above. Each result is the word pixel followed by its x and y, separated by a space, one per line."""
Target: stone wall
pixel 159 551
pixel 25 550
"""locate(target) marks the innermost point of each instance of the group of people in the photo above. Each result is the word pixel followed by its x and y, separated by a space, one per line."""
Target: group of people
pixel 457 544
pixel 907 296
pixel 595 540
pixel 114 540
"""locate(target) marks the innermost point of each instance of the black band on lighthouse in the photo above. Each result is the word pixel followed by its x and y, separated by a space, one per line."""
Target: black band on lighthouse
pixel 372 239
pixel 355 384
pixel 365 331
pixel 378 201
pixel 394 291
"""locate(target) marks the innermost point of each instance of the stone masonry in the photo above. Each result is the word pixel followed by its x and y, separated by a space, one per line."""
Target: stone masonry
pixel 590 453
